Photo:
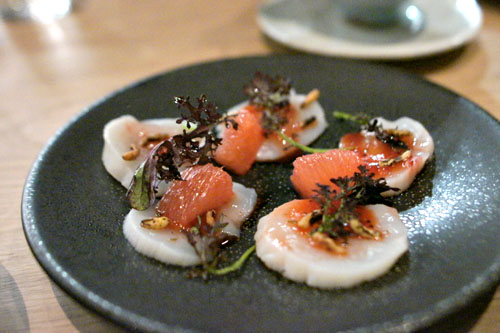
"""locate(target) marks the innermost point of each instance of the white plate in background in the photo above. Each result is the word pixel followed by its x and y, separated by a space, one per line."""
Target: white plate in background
pixel 319 26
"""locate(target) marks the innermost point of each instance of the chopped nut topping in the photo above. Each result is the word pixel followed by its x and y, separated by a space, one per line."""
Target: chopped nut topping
pixel 406 155
pixel 360 229
pixel 132 154
pixel 390 161
pixel 311 97
pixel 153 139
pixel 210 217
pixel 397 132
pixel 329 243
pixel 387 162
pixel 305 221
pixel 156 223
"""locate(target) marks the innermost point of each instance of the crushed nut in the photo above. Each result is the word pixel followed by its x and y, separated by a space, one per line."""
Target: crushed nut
pixel 390 161
pixel 360 229
pixel 305 221
pixel 328 243
pixel 387 162
pixel 311 97
pixel 156 223
pixel 406 155
pixel 132 154
pixel 153 139
pixel 210 217
pixel 397 132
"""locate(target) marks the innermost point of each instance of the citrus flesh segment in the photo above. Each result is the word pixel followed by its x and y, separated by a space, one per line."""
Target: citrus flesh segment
pixel 239 147
pixel 318 168
pixel 202 188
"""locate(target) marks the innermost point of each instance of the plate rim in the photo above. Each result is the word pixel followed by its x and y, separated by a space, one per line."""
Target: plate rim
pixel 128 319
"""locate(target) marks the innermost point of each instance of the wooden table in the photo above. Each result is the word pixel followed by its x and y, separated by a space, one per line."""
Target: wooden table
pixel 51 71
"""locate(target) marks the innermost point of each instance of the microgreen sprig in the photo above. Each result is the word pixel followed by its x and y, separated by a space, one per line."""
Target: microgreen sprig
pixel 207 240
pixel 384 135
pixel 196 145
pixel 361 119
pixel 300 146
pixel 234 266
pixel 360 189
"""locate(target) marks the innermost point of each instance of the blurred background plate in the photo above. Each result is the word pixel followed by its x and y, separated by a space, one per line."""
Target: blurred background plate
pixel 320 27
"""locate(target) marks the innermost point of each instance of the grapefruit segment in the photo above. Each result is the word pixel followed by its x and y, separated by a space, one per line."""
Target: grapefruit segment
pixel 239 147
pixel 319 168
pixel 203 188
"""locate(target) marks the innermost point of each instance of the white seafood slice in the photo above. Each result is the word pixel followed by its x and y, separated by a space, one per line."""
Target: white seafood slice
pixel 120 133
pixel 271 150
pixel 283 249
pixel 172 247
pixel 421 152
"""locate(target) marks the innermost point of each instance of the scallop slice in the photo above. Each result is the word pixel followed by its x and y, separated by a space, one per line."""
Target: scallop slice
pixel 123 132
pixel 290 253
pixel 420 153
pixel 172 247
pixel 271 150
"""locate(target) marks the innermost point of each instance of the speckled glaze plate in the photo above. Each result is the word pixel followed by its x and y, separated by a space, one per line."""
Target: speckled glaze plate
pixel 73 210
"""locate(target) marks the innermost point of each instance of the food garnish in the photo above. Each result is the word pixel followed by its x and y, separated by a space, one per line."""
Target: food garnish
pixel 235 265
pixel 361 119
pixel 192 147
pixel 390 136
pixel 150 141
pixel 302 147
pixel 272 95
pixel 312 96
pixel 268 92
pixel 155 223
pixel 337 217
pixel 207 239
pixel 132 154
pixel 390 161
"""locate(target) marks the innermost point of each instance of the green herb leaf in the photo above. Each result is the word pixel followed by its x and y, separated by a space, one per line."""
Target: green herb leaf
pixel 139 194
pixel 361 119
pixel 300 146
pixel 234 266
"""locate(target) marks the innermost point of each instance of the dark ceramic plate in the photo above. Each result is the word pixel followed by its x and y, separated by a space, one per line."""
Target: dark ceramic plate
pixel 73 210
